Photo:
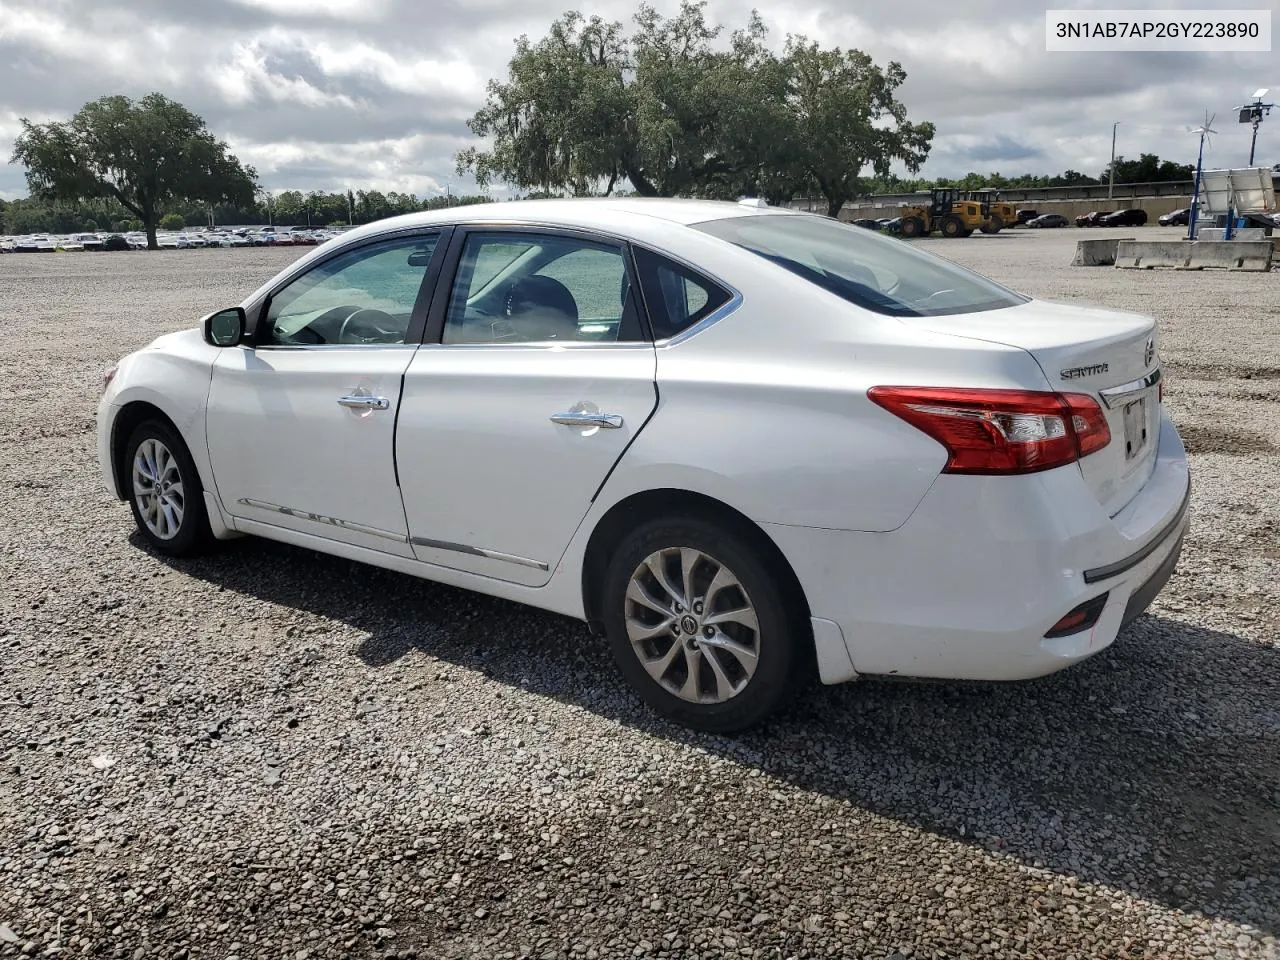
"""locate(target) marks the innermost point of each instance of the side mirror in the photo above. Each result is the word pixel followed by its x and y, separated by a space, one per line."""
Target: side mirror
pixel 224 328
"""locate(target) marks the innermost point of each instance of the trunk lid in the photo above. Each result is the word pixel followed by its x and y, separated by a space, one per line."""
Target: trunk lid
pixel 1110 355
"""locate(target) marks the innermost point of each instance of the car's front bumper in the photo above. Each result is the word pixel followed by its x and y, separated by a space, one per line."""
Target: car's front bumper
pixel 968 587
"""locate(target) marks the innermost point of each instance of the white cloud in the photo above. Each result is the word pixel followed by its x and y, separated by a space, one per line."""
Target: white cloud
pixel 355 10
pixel 320 94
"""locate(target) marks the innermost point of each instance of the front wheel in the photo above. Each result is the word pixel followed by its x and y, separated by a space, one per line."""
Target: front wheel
pixel 165 492
pixel 700 625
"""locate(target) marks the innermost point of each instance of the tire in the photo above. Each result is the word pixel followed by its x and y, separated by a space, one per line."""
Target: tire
pixel 737 696
pixel 155 447
pixel 953 227
pixel 912 227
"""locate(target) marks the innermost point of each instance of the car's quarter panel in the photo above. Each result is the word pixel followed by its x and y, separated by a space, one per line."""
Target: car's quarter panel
pixel 491 484
pixel 767 409
pixel 985 567
pixel 285 452
pixel 171 374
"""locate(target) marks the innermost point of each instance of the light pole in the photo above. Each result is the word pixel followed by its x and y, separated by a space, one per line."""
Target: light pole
pixel 1253 113
pixel 1111 172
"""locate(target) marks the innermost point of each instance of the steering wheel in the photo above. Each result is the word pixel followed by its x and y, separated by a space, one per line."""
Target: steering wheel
pixel 366 325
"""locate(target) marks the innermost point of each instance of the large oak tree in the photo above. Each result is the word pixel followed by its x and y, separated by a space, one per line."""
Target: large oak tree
pixel 673 112
pixel 143 155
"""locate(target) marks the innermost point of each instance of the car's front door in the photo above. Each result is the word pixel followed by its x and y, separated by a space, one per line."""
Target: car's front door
pixel 301 423
pixel 509 424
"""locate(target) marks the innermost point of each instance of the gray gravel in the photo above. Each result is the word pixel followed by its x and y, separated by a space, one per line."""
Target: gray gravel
pixel 270 753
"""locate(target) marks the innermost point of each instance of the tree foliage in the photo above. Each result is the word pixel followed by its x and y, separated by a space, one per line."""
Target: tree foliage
pixel 674 112
pixel 143 155
pixel 848 118
pixel 1148 169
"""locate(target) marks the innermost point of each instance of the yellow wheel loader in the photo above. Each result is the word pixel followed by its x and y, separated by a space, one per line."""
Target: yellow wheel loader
pixel 949 211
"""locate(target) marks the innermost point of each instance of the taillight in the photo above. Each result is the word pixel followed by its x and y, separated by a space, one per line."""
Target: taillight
pixel 1001 431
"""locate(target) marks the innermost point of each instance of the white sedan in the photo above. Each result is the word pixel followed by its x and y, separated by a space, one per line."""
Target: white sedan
pixel 745 444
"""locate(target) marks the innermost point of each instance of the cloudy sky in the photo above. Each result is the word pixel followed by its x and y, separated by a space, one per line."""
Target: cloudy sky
pixel 325 94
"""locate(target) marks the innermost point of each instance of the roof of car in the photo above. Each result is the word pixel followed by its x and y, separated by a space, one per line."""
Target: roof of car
pixel 586 212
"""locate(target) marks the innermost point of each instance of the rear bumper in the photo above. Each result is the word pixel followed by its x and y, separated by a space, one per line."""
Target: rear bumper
pixel 986 566
pixel 1141 598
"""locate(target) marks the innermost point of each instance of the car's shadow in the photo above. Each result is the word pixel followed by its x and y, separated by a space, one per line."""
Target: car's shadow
pixel 1153 768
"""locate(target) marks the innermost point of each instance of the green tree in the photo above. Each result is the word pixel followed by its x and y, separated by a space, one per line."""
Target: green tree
pixel 145 155
pixel 173 221
pixel 672 113
pixel 849 118
pixel 1148 168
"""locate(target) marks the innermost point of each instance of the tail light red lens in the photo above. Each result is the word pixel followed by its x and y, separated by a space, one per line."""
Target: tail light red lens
pixel 1001 431
pixel 1080 619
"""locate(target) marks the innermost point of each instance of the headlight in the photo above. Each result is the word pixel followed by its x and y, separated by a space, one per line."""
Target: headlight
pixel 109 376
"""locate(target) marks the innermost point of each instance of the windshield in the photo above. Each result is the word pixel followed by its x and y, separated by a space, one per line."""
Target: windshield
pixel 876 272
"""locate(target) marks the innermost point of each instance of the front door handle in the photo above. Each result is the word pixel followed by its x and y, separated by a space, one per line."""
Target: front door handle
pixel 365 403
pixel 610 421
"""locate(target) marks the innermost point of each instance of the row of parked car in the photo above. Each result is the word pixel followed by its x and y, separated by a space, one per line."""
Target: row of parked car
pixel 1035 220
pixel 167 240
pixel 1129 217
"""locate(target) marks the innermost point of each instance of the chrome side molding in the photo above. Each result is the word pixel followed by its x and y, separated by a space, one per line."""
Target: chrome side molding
pixel 321 518
pixel 477 552
pixel 388 535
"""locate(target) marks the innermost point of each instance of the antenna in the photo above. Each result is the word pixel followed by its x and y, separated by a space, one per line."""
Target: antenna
pixel 1206 131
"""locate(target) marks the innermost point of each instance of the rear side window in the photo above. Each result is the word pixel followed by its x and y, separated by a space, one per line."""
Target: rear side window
pixel 677 297
pixel 877 273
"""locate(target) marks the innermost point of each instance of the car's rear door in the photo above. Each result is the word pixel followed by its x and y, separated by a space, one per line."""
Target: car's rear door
pixel 537 374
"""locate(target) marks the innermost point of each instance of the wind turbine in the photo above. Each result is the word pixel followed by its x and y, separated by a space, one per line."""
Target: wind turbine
pixel 1205 131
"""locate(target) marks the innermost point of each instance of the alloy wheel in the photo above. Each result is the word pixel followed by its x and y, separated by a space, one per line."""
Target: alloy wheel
pixel 158 489
pixel 692 625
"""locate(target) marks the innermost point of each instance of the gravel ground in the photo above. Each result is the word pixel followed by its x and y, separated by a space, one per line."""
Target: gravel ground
pixel 271 753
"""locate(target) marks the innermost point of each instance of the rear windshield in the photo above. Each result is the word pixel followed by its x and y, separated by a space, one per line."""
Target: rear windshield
pixel 877 272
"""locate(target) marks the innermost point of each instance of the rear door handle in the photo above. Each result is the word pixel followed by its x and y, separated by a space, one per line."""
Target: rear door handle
pixel 365 403
pixel 610 421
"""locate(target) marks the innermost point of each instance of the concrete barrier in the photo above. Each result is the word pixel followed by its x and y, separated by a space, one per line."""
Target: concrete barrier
pixel 1096 253
pixel 1145 254
pixel 1216 233
pixel 1251 255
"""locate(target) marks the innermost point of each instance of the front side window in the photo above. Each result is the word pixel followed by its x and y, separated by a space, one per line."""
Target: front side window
pixel 878 273
pixel 531 288
pixel 364 296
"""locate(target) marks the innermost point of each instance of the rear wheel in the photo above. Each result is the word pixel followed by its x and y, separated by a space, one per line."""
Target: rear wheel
pixel 953 227
pixel 913 227
pixel 700 625
pixel 164 491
